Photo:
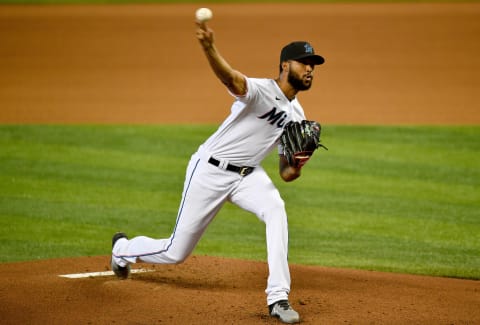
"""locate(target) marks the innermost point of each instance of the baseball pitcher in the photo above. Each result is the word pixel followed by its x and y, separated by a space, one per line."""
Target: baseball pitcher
pixel 265 115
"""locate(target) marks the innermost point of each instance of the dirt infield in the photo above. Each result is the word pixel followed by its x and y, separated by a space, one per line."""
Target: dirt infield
pixel 209 290
pixel 386 64
pixel 395 64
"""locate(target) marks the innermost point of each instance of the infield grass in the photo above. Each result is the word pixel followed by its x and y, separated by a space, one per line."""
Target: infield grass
pixel 401 199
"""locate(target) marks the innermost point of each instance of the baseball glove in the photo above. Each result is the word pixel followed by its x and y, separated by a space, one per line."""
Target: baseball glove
pixel 299 141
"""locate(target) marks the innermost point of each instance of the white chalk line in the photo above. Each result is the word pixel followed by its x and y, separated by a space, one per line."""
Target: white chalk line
pixel 98 274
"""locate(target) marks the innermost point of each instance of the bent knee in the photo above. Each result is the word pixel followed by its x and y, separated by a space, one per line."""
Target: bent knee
pixel 177 258
pixel 180 259
pixel 273 212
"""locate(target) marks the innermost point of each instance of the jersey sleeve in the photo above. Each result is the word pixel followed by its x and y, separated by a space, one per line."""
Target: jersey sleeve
pixel 252 90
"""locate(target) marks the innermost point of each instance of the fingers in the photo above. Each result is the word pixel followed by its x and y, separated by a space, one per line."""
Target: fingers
pixel 202 30
pixel 202 25
pixel 204 34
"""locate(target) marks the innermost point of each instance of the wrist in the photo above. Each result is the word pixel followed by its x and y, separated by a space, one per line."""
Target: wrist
pixel 290 173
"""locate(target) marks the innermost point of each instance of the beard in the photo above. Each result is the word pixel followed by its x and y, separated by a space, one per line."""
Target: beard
pixel 298 83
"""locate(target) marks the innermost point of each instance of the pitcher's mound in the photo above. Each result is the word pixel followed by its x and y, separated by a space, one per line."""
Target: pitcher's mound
pixel 213 290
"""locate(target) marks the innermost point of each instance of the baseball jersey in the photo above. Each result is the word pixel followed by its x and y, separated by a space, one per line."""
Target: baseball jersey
pixel 254 125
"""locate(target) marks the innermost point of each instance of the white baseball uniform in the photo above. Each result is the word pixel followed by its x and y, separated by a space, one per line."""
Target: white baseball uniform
pixel 245 138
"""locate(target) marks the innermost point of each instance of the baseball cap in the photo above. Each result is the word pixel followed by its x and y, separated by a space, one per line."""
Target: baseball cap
pixel 300 50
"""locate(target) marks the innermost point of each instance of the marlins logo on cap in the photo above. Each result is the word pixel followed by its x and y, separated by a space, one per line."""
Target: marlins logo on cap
pixel 300 50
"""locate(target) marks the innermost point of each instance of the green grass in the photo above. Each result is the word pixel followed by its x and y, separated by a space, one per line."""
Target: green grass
pixel 401 199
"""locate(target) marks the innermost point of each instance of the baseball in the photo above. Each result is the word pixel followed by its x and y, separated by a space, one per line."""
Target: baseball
pixel 203 14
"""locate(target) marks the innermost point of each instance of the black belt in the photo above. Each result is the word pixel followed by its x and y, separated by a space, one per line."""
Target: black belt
pixel 243 171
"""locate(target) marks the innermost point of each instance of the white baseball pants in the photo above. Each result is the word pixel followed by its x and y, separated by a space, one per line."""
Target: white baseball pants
pixel 206 189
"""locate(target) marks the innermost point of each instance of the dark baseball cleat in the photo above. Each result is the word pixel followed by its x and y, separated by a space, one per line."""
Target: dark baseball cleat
pixel 120 271
pixel 284 312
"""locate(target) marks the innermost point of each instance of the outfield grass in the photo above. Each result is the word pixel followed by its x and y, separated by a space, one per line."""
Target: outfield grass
pixel 402 199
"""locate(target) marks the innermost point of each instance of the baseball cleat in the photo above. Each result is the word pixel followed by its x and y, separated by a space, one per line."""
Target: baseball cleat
pixel 120 271
pixel 284 312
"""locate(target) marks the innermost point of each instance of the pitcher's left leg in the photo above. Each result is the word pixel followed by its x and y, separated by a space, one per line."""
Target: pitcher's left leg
pixel 257 194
